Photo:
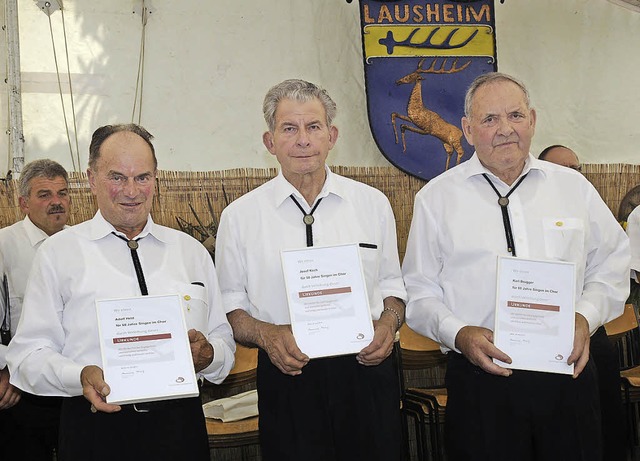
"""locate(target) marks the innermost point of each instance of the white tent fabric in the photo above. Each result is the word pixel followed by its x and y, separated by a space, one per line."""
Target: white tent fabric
pixel 208 65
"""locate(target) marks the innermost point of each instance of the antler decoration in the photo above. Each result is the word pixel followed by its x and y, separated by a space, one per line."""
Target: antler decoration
pixel 390 42
pixel 206 234
pixel 442 70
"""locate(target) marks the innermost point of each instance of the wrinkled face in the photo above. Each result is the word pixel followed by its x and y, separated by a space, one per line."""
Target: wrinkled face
pixel 48 203
pixel 123 182
pixel 563 156
pixel 500 127
pixel 301 140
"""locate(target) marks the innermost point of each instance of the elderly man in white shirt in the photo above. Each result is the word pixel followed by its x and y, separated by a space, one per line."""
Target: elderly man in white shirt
pixel 30 428
pixel 457 233
pixel 56 349
pixel 325 409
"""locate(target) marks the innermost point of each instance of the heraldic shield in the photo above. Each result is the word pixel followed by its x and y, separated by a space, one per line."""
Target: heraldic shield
pixel 419 59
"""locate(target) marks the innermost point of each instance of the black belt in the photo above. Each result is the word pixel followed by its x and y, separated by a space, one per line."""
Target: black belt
pixel 156 405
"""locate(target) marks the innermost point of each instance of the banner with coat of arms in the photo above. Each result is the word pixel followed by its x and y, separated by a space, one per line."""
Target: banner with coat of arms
pixel 419 59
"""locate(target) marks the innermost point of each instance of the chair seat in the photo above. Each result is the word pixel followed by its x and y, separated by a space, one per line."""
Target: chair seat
pixel 234 433
pixel 631 376
pixel 437 394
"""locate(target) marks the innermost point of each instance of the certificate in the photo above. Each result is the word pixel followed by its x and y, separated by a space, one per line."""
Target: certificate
pixel 145 349
pixel 535 314
pixel 328 300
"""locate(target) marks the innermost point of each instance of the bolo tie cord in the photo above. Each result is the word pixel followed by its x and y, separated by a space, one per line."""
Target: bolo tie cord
pixel 133 246
pixel 503 201
pixel 307 219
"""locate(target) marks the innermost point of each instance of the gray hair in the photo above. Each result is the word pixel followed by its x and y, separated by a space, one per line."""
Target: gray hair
pixel 485 79
pixel 43 168
pixel 102 133
pixel 298 90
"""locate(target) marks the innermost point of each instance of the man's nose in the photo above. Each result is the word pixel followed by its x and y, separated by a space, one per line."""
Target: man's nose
pixel 130 189
pixel 504 126
pixel 303 138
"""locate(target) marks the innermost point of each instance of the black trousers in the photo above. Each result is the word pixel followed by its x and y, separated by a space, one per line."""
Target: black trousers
pixel 29 429
pixel 171 430
pixel 527 416
pixel 614 435
pixel 336 410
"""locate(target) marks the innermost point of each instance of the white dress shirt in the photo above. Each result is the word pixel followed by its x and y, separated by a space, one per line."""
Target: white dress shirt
pixel 57 334
pixel 18 245
pixel 254 228
pixel 457 233
pixel 633 231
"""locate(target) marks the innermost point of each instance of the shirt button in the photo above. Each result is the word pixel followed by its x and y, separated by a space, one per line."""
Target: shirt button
pixel 187 298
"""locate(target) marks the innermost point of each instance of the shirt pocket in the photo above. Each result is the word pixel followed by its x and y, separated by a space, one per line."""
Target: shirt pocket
pixel 195 306
pixel 369 256
pixel 563 238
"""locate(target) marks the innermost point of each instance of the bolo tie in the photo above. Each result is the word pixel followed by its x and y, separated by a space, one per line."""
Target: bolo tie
pixel 133 246
pixel 503 201
pixel 307 219
pixel 5 329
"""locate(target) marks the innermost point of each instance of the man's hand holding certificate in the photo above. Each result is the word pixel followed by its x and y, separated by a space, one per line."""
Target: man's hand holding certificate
pixel 145 349
pixel 535 314
pixel 328 300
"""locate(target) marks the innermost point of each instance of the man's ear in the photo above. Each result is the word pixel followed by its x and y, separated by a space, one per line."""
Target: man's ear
pixel 533 117
pixel 333 136
pixel 267 140
pixel 466 129
pixel 92 179
pixel 24 206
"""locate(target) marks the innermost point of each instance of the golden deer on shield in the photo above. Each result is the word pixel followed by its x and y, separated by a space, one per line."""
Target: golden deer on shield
pixel 427 121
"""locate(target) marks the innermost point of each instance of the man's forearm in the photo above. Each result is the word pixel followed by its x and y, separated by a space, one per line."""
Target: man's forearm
pixel 246 329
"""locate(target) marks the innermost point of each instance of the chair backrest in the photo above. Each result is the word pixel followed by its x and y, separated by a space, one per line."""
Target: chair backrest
pixel 624 333
pixel 242 376
pixel 627 322
pixel 418 352
pixel 244 370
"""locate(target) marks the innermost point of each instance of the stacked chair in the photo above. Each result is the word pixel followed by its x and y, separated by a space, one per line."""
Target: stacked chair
pixel 424 404
pixel 625 335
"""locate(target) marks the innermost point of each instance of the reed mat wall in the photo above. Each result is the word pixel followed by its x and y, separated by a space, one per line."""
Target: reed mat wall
pixel 207 193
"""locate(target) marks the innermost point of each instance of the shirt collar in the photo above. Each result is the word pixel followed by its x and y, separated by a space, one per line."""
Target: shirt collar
pixel 34 233
pixel 283 188
pixel 475 168
pixel 100 228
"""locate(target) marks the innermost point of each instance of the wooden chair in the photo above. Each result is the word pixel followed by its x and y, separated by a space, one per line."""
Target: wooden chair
pixel 241 378
pixel 426 405
pixel 624 332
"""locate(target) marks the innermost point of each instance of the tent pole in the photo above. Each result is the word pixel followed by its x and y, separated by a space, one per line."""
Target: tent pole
pixel 16 134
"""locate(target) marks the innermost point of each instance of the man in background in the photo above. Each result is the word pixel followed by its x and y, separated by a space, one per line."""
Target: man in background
pixel 29 422
pixel 119 253
pixel 561 155
pixel 602 350
pixel 323 409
